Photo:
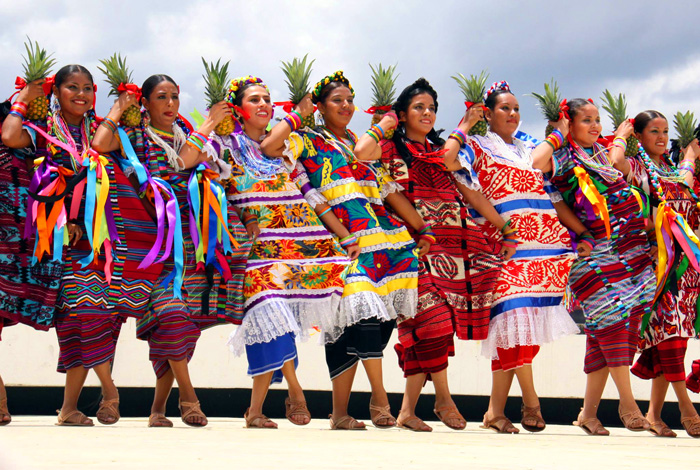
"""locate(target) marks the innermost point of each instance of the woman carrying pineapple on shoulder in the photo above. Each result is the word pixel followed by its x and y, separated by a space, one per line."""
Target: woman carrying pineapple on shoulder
pixel 191 293
pixel 380 284
pixel 615 284
pixel 672 321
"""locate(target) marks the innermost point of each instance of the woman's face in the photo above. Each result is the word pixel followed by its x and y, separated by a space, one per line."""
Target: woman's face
pixel 163 105
pixel 75 95
pixel 338 107
pixel 654 137
pixel 256 102
pixel 504 118
pixel 420 116
pixel 585 127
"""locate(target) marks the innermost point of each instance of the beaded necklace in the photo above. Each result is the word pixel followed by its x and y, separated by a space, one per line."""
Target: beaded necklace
pixel 57 127
pixel 596 161
pixel 670 175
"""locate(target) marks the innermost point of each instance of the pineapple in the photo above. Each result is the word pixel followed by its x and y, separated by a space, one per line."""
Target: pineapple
pixel 217 80
pixel 118 73
pixel 383 91
pixel 685 125
pixel 473 89
pixel 617 109
pixel 549 104
pixel 298 74
pixel 37 64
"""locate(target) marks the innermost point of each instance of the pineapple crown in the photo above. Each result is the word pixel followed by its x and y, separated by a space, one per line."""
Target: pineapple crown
pixel 550 102
pixel 616 106
pixel 216 79
pixel 336 76
pixel 496 86
pixel 240 82
pixel 117 74
pixel 383 85
pixel 37 62
pixel 685 125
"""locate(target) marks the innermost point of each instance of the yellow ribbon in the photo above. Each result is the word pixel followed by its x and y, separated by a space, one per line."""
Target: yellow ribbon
pixel 100 233
pixel 600 205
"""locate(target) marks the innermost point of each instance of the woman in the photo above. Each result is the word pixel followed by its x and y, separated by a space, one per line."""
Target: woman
pixel 527 308
pixel 615 285
pixel 87 320
pixel 380 285
pixel 293 278
pixel 183 300
pixel 456 280
pixel 672 320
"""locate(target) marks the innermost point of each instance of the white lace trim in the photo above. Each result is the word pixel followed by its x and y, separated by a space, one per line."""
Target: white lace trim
pixel 129 170
pixel 467 176
pixel 390 187
pixel 289 158
pixel 216 163
pixel 527 326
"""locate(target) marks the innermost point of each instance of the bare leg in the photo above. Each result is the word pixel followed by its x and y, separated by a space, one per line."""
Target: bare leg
pixel 685 404
pixel 595 385
pixel 373 368
pixel 163 387
pixel 342 386
pixel 443 399
pixel 621 376
pixel 75 379
pixel 414 386
pixel 296 393
pixel 527 386
pixel 4 413
pixel 659 387
pixel 500 387
pixel 261 384
pixel 109 390
pixel 184 384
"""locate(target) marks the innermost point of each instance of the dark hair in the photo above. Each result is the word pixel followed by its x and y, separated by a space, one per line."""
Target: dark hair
pixel 492 99
pixel 68 70
pixel 241 92
pixel 419 87
pixel 152 82
pixel 575 105
pixel 326 90
pixel 642 120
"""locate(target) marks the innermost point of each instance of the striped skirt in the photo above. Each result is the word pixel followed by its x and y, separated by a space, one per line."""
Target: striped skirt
pixel 425 356
pixel 86 342
pixel 666 358
pixel 512 358
pixel 612 347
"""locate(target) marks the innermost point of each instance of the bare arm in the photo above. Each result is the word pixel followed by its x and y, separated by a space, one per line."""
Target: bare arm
pixel 13 134
pixel 366 147
pixel 471 117
pixel 404 209
pixel 105 140
pixel 191 156
pixel 617 154
pixel 569 220
pixel 691 154
pixel 542 154
pixel 273 144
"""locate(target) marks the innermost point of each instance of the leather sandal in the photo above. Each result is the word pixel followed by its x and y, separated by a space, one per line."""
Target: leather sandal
pixel 381 413
pixel 413 423
pixel 532 414
pixel 346 423
pixel 258 421
pixel 634 420
pixel 296 408
pixel 5 417
pixel 661 429
pixel 449 413
pixel 158 420
pixel 74 418
pixel 692 426
pixel 191 409
pixel 109 409
pixel 592 426
pixel 500 424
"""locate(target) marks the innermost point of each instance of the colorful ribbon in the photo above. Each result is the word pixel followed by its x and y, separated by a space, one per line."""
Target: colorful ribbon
pixel 374 109
pixel 130 88
pixel 597 201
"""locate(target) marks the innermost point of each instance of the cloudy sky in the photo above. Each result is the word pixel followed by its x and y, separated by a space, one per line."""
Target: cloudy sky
pixel 646 49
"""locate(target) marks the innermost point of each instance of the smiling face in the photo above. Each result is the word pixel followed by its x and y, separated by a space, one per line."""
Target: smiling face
pixel 419 118
pixel 256 102
pixel 504 118
pixel 75 96
pixel 163 105
pixel 654 137
pixel 338 107
pixel 585 127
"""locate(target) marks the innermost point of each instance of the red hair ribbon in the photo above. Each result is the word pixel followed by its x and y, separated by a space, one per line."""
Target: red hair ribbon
pixel 241 112
pixel 374 109
pixel 605 140
pixel 20 83
pixel 48 84
pixel 564 110
pixel 130 88
pixel 631 120
pixel 287 106
pixel 590 100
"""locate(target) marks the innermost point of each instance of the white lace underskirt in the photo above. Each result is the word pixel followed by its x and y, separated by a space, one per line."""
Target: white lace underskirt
pixel 527 326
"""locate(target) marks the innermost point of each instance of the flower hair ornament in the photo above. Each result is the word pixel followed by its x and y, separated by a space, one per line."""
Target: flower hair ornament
pixel 502 85
pixel 564 109
pixel 336 76
pixel 236 85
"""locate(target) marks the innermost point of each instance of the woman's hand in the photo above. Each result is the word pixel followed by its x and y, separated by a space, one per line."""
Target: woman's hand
pixel 253 230
pixel 32 91
pixel 473 115
pixel 126 99
pixel 219 112
pixel 388 121
pixel 562 125
pixel 584 250
pixel 507 252
pixel 305 106
pixel 75 233
pixel 624 130
pixel 353 251
pixel 423 247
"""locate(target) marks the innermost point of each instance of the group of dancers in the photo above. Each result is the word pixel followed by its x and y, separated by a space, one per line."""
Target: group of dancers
pixel 288 229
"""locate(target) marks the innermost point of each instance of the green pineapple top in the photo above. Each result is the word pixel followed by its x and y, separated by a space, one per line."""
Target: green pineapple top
pixel 685 125
pixel 616 106
pixel 116 71
pixel 298 73
pixel 473 88
pixel 216 81
pixel 383 85
pixel 549 103
pixel 37 63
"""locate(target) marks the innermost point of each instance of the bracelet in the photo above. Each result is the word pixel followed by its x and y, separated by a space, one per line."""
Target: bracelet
pixel 510 235
pixel 587 238
pixel 620 142
pixel 20 108
pixel 459 136
pixel 427 228
pixel 349 240
pixel 324 212
pixel 109 124
pixel 197 140
pixel 430 238
pixel 555 139
pixel 376 132
pixel 687 165
pixel 15 113
pixel 250 221
pixel 293 119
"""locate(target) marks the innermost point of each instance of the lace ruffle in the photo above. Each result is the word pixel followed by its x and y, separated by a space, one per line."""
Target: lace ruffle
pixel 390 187
pixel 215 162
pixel 467 175
pixel 527 326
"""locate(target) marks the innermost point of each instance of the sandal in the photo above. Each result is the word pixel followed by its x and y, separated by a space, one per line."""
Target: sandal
pixel 108 409
pixel 532 414
pixel 296 408
pixel 74 418
pixel 191 409
pixel 258 421
pixel 347 423
pixel 5 417
pixel 661 429
pixel 691 426
pixel 414 423
pixel 381 413
pixel 158 420
pixel 500 424
pixel 449 413
pixel 634 420
pixel 592 426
